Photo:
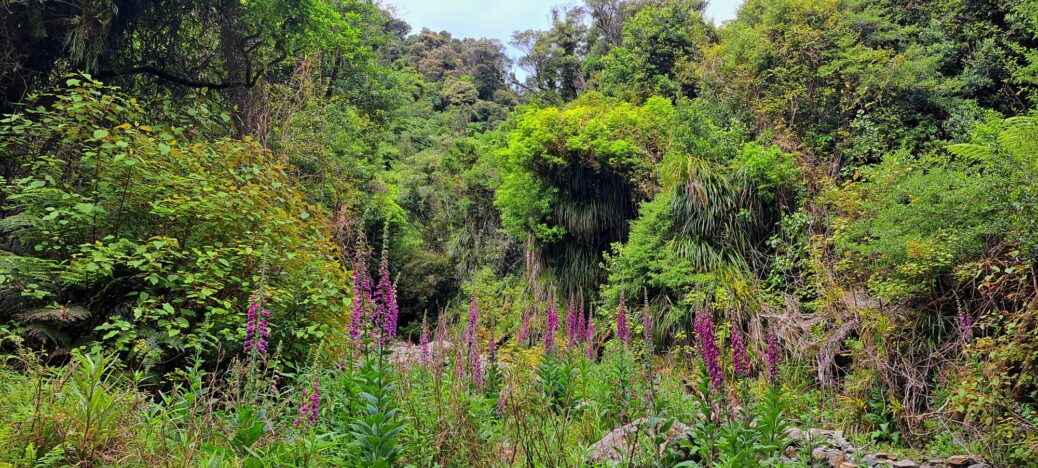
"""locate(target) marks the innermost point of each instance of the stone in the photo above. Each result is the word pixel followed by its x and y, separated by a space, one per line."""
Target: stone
pixel 847 465
pixel 904 463
pixel 869 460
pixel 611 448
pixel 961 460
pixel 980 465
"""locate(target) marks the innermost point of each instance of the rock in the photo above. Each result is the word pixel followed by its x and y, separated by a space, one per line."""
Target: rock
pixel 833 457
pixel 796 435
pixel 904 464
pixel 834 438
pixel 613 446
pixel 869 460
pixel 980 465
pixel 847 465
pixel 961 460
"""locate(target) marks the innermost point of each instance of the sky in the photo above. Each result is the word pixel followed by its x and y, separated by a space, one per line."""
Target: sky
pixel 499 18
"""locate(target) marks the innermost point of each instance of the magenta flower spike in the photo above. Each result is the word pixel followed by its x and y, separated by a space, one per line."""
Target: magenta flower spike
pixel 423 344
pixel 359 307
pixel 590 336
pixel 315 401
pixel 647 323
pixel 773 357
pixel 550 326
pixel 491 345
pixel 740 361
pixel 707 344
pixel 250 327
pixel 622 332
pixel 571 324
pixel 581 334
pixel 470 330
pixel 965 325
pixel 477 368
pixel 524 329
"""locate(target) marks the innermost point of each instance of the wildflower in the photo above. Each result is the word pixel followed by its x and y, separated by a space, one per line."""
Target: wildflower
pixel 263 330
pixel 441 328
pixel 385 305
pixel 359 308
pixel 250 326
pixel 524 329
pixel 590 335
pixel 477 369
pixel 491 345
pixel 501 401
pixel 622 331
pixel 315 400
pixel 423 344
pixel 740 363
pixel 965 325
pixel 470 330
pixel 581 325
pixel 707 343
pixel 773 358
pixel 459 370
pixel 257 332
pixel 571 324
pixel 549 332
pixel 647 323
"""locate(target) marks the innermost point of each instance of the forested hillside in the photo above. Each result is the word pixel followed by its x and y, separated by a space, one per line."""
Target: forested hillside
pixel 306 233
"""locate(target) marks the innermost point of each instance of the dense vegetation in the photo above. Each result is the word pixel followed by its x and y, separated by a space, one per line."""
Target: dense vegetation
pixel 297 233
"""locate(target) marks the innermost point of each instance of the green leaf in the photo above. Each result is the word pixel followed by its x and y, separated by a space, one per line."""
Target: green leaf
pixel 100 133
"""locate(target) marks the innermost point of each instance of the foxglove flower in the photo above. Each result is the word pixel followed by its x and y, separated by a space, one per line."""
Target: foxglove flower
pixel 358 311
pixel 315 401
pixel 551 325
pixel 965 325
pixel 590 335
pixel 571 324
pixel 647 323
pixel 423 344
pixel 250 326
pixel 385 302
pixel 470 330
pixel 581 325
pixel 773 358
pixel 477 369
pixel 622 332
pixel 740 362
pixel 707 344
pixel 524 329
pixel 263 330
pixel 501 401
pixel 492 346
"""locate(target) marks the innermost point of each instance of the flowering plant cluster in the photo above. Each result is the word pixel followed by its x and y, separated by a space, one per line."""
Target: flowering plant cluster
pixel 373 315
pixel 257 329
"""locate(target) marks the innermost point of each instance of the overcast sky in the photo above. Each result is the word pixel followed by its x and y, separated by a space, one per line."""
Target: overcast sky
pixel 499 18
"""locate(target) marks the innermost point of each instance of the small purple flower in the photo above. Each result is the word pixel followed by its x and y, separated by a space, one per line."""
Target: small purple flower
pixel 571 324
pixel 552 324
pixel 773 357
pixel 622 332
pixel 706 341
pixel 470 330
pixel 257 330
pixel 740 362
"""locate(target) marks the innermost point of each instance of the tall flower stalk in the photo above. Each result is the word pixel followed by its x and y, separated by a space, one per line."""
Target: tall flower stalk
pixel 524 329
pixel 589 334
pixel 571 324
pixel 257 329
pixel 706 341
pixel 470 329
pixel 773 357
pixel 622 331
pixel 581 324
pixel 740 361
pixel 552 323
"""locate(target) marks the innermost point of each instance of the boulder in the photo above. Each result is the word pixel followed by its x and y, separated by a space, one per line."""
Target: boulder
pixel 614 446
pixel 961 460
